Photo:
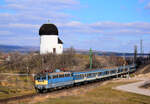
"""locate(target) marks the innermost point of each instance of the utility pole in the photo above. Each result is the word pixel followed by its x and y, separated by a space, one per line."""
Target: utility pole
pixel 135 54
pixel 124 58
pixel 90 55
pixel 141 46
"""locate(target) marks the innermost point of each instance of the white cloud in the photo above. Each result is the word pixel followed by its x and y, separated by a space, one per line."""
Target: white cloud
pixel 25 5
pixel 141 1
pixel 108 28
pixel 147 6
pixel 24 26
pixel 5 33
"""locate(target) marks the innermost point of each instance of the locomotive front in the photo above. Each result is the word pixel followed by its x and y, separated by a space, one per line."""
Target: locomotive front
pixel 41 82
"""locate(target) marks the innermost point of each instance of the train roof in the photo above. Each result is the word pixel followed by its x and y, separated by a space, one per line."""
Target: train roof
pixel 93 71
pixel 59 73
pixel 89 71
pixel 53 73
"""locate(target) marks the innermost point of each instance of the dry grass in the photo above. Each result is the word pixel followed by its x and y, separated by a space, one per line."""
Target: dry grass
pixel 101 95
pixel 15 86
pixel 144 70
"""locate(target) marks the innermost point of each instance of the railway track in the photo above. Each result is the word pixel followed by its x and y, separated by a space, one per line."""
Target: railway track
pixel 55 91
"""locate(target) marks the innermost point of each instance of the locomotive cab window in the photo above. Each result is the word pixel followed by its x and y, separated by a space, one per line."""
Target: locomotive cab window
pixel 43 77
pixel 61 75
pixel 37 78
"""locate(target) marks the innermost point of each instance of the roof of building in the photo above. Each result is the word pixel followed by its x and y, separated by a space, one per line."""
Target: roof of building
pixel 60 41
pixel 48 29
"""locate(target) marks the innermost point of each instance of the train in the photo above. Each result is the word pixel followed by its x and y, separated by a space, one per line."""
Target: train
pixel 53 80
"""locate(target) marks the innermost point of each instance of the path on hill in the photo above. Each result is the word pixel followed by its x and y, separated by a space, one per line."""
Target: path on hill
pixel 135 87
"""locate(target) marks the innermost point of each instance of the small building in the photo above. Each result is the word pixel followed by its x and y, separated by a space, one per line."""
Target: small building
pixel 49 40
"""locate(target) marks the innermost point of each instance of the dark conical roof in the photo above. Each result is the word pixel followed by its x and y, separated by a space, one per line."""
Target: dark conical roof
pixel 60 41
pixel 48 29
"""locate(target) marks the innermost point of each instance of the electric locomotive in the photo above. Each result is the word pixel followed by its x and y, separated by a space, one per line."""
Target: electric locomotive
pixel 48 81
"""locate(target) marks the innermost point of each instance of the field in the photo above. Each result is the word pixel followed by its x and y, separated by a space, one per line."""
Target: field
pixel 104 94
pixel 15 86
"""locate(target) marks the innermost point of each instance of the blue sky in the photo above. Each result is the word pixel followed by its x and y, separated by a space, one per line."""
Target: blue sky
pixel 105 25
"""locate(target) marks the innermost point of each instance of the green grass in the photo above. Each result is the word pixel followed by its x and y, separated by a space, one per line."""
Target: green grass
pixel 102 95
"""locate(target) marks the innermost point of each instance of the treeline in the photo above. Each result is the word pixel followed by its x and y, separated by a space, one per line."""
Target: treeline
pixel 69 60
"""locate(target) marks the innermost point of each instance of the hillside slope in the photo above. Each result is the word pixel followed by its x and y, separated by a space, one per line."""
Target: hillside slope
pixel 144 70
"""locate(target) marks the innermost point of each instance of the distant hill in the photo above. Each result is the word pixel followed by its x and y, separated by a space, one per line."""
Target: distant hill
pixel 101 53
pixel 15 48
pixel 25 49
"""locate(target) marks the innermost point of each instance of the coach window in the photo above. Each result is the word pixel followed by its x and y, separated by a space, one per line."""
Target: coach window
pixel 60 75
pixel 49 77
pixel 89 74
pixel 107 72
pixel 112 72
pixel 79 76
pixel 67 75
pixel 99 73
pixel 55 76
